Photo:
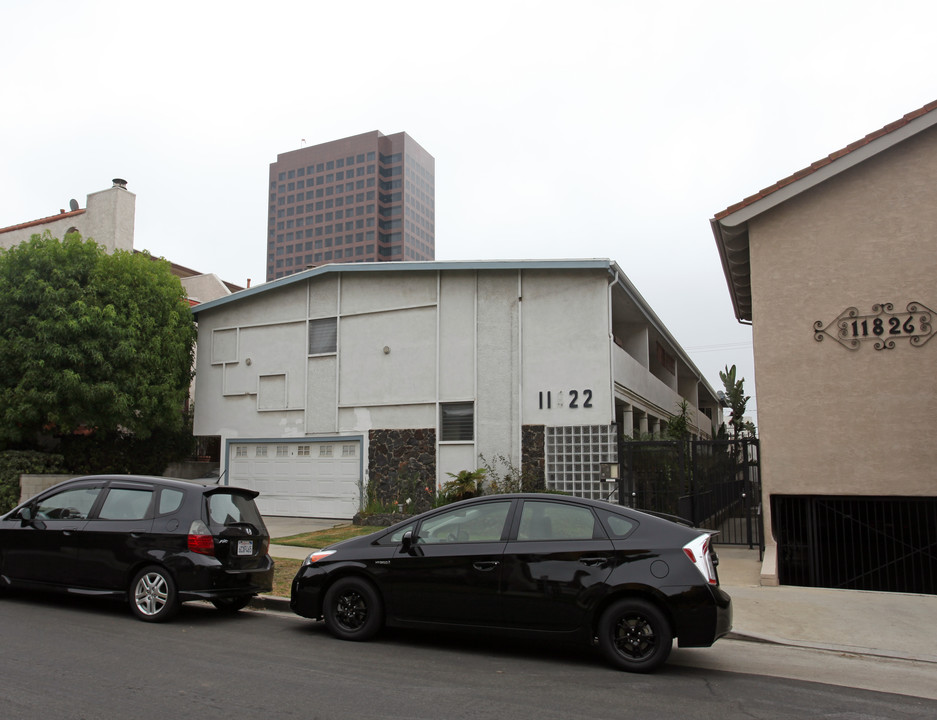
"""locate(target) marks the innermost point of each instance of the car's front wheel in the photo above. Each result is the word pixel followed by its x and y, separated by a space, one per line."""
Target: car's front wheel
pixel 635 636
pixel 353 609
pixel 232 604
pixel 153 596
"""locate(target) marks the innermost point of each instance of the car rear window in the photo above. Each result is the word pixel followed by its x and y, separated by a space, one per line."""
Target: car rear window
pixel 233 508
pixel 169 500
pixel 618 526
pixel 546 520
pixel 126 504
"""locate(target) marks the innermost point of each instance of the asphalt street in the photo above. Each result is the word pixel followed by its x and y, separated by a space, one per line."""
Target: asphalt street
pixel 82 658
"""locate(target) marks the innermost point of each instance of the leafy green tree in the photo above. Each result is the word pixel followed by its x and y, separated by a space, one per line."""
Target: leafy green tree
pixel 737 399
pixel 91 343
pixel 14 463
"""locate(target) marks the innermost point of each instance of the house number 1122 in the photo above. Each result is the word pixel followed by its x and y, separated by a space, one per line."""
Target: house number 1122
pixel 577 399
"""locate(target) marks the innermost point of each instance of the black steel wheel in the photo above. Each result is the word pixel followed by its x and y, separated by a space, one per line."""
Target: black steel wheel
pixel 353 609
pixel 232 604
pixel 153 596
pixel 634 635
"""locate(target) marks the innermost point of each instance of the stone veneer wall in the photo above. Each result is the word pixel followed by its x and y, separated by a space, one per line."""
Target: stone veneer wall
pixel 533 455
pixel 408 454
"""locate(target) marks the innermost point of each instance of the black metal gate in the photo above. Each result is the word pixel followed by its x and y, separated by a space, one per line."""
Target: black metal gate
pixel 713 484
pixel 857 543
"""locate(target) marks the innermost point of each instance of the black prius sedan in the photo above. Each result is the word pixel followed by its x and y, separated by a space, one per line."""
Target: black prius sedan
pixel 624 580
pixel 155 541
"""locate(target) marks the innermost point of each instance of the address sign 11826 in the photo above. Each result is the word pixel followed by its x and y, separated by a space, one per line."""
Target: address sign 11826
pixel 883 327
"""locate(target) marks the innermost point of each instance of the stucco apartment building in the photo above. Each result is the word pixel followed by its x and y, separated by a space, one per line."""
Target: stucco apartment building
pixel 108 217
pixel 835 267
pixel 328 379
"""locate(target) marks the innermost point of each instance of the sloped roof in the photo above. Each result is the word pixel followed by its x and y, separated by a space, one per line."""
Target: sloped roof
pixel 616 277
pixel 44 221
pixel 730 226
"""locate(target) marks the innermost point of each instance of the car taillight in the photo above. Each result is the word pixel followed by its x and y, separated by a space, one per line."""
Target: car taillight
pixel 698 552
pixel 200 539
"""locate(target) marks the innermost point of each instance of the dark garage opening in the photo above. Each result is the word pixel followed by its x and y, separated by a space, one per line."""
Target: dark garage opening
pixel 857 543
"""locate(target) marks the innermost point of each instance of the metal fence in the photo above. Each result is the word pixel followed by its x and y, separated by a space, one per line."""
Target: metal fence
pixel 857 543
pixel 713 484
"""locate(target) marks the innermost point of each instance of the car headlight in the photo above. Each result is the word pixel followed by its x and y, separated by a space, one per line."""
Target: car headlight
pixel 315 556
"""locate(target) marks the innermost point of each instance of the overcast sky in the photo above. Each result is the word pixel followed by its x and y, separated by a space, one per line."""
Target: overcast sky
pixel 560 129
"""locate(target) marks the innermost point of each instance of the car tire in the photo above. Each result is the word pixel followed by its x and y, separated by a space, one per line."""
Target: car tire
pixel 634 635
pixel 353 609
pixel 231 605
pixel 153 596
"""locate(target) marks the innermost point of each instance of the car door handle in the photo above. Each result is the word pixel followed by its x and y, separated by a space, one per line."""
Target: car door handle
pixel 486 565
pixel 593 561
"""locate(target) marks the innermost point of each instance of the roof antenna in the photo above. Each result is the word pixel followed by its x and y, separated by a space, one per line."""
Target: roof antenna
pixel 73 204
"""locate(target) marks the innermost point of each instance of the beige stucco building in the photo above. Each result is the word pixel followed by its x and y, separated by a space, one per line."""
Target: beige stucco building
pixel 835 267
pixel 108 218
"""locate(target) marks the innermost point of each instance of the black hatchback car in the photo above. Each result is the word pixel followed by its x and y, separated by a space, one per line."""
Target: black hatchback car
pixel 626 581
pixel 154 541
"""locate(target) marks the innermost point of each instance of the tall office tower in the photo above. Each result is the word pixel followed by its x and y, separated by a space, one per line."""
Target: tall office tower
pixel 366 198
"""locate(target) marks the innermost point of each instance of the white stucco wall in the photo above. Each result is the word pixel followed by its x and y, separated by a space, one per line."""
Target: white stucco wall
pixel 505 339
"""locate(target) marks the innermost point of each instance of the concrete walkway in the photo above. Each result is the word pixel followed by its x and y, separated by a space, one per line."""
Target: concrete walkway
pixel 893 625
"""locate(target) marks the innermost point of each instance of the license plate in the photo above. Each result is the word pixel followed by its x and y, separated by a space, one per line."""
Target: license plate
pixel 245 547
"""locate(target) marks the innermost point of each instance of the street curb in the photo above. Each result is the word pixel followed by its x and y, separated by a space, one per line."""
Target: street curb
pixel 843 649
pixel 273 603
pixel 270 602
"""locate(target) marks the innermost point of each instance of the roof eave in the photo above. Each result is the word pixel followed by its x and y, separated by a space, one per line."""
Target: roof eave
pixel 734 220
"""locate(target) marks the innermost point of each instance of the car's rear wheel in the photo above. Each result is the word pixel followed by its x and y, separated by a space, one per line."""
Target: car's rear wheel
pixel 153 596
pixel 635 636
pixel 232 604
pixel 353 609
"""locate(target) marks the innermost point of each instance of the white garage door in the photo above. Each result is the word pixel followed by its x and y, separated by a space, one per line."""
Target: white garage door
pixel 300 479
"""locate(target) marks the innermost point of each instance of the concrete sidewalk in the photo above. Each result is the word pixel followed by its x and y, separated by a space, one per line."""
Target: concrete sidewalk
pixel 894 625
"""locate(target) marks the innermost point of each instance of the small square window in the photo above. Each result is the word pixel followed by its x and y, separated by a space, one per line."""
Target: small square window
pixel 323 336
pixel 457 421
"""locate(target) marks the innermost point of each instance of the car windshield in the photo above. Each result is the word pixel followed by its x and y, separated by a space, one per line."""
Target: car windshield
pixel 233 508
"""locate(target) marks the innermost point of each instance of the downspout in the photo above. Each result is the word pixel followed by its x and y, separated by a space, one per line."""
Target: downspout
pixel 611 346
pixel 438 355
pixel 520 370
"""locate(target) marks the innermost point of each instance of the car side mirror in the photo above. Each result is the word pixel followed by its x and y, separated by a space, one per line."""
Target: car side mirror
pixel 27 519
pixel 406 542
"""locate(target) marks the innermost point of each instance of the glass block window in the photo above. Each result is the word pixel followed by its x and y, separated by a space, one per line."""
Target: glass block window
pixel 573 456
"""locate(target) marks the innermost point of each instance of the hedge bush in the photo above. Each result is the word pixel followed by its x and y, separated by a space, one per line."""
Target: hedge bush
pixel 14 463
